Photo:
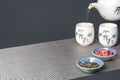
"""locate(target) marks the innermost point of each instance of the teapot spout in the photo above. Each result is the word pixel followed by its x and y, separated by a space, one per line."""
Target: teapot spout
pixel 94 5
pixel 90 6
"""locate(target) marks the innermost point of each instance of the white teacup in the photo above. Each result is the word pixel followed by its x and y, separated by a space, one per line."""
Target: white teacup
pixel 84 33
pixel 108 34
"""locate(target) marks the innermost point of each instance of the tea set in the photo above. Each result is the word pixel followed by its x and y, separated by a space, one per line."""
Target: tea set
pixel 108 32
pixel 107 35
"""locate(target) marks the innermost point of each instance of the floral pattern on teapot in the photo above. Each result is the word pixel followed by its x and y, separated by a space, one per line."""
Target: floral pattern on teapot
pixel 117 11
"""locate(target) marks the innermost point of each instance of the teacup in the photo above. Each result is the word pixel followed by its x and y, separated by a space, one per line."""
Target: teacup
pixel 108 34
pixel 84 33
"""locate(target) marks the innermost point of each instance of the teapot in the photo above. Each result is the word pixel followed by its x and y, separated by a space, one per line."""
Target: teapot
pixel 108 9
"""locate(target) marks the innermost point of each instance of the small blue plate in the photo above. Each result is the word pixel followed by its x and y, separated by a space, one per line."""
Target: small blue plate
pixel 90 59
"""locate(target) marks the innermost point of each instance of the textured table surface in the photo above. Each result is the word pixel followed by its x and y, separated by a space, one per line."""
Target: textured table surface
pixel 49 60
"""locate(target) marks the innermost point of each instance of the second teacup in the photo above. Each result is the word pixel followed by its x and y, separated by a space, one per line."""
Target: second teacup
pixel 108 34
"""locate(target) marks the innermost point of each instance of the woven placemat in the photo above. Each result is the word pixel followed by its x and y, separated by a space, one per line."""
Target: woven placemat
pixel 49 60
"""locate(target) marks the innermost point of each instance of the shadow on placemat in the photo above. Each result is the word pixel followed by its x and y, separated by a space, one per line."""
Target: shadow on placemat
pixel 111 75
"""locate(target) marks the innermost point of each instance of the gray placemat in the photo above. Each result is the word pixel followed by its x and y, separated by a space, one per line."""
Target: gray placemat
pixel 49 60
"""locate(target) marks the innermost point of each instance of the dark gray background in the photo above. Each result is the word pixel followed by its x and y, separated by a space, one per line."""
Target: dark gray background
pixel 32 21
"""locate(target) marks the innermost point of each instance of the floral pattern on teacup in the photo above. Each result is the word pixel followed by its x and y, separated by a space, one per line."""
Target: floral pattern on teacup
pixel 83 36
pixel 109 39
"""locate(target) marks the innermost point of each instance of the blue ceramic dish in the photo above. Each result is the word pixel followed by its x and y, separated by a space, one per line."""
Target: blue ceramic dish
pixel 104 57
pixel 90 59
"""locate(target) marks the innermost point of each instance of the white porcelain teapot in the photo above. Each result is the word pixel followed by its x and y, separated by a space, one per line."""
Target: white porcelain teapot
pixel 108 9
